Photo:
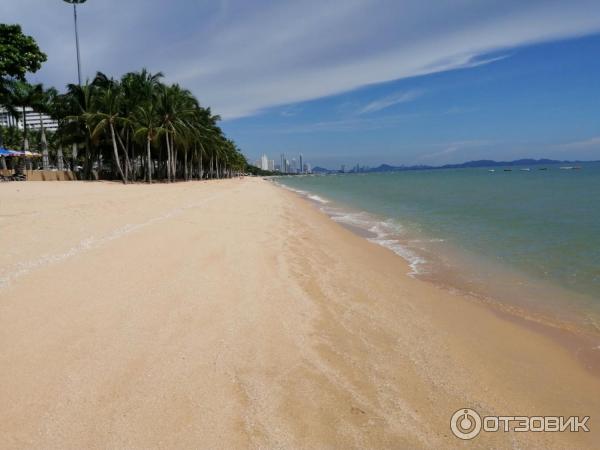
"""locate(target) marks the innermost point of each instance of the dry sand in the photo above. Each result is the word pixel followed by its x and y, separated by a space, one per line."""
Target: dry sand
pixel 233 314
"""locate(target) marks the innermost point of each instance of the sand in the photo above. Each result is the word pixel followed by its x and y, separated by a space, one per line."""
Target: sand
pixel 234 314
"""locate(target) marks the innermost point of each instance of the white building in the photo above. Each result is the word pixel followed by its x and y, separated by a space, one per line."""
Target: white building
pixel 264 162
pixel 272 165
pixel 33 120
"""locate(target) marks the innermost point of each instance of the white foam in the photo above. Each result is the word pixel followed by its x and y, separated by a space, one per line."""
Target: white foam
pixel 386 231
pixel 316 198
pixel 415 262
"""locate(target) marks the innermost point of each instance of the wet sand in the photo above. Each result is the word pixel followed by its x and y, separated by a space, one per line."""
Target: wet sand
pixel 233 314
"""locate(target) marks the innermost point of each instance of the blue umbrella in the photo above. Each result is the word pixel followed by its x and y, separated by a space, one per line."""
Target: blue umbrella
pixel 6 152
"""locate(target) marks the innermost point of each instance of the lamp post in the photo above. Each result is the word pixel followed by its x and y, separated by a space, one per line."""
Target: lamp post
pixel 75 3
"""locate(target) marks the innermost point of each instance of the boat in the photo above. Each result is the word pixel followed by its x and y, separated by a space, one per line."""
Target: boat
pixel 543 168
pixel 508 170
pixel 491 170
pixel 567 168
pixel 527 169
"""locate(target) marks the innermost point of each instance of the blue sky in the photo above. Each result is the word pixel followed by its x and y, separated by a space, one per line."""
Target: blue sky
pixel 537 101
pixel 355 81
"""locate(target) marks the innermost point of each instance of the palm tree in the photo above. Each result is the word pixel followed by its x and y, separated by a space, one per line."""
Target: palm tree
pixel 105 118
pixel 43 105
pixel 176 107
pixel 79 101
pixel 108 116
pixel 23 95
pixel 147 126
pixel 139 89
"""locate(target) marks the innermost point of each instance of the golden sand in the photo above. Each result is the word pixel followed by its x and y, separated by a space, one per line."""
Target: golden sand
pixel 233 314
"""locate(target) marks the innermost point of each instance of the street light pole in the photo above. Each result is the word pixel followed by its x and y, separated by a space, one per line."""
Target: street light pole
pixel 75 3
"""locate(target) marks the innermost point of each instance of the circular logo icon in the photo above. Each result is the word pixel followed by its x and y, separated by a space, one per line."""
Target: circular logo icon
pixel 465 424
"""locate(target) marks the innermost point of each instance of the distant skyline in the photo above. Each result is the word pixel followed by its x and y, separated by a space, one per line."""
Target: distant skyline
pixel 356 81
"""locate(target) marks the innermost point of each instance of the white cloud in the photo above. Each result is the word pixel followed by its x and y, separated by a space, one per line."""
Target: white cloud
pixel 390 100
pixel 592 143
pixel 243 57
pixel 453 147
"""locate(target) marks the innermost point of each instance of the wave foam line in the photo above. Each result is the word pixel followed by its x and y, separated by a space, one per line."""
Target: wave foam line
pixel 90 243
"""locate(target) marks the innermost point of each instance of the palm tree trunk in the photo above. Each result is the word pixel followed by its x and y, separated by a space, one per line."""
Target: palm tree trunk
pixel 21 162
pixel 74 157
pixel 173 159
pixel 148 160
pixel 127 161
pixel 201 155
pixel 168 158
pixel 185 171
pixel 60 164
pixel 44 144
pixel 116 153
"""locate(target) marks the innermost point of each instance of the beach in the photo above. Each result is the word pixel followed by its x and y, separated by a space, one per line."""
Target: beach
pixel 235 314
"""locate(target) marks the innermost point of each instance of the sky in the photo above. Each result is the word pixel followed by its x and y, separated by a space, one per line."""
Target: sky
pixel 354 81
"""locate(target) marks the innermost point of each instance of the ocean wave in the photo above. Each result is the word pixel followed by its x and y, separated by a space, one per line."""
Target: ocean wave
pixel 316 198
pixel 385 233
pixel 415 262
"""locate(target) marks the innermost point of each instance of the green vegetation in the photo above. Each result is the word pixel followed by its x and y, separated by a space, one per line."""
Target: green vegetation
pixel 253 170
pixel 134 128
pixel 19 54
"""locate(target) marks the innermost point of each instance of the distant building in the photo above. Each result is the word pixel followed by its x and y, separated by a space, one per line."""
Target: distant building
pixel 33 120
pixel 301 165
pixel 307 168
pixel 264 162
pixel 271 165
pixel 343 168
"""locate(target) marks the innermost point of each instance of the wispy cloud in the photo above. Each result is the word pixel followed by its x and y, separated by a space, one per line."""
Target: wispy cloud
pixel 245 57
pixel 350 124
pixel 592 143
pixel 390 100
pixel 450 148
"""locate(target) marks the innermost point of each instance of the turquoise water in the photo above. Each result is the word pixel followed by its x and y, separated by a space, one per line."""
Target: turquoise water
pixel 541 223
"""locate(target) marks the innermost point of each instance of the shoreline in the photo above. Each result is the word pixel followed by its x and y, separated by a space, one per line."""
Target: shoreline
pixel 572 334
pixel 235 314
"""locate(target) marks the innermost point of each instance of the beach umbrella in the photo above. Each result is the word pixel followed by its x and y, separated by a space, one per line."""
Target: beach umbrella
pixel 6 152
pixel 28 154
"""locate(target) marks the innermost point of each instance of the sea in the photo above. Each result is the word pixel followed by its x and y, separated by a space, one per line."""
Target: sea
pixel 523 238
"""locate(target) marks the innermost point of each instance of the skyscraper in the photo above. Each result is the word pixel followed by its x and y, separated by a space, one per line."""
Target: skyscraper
pixel 301 165
pixel 264 162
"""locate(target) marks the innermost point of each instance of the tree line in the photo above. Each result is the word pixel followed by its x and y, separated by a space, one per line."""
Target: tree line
pixel 133 128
